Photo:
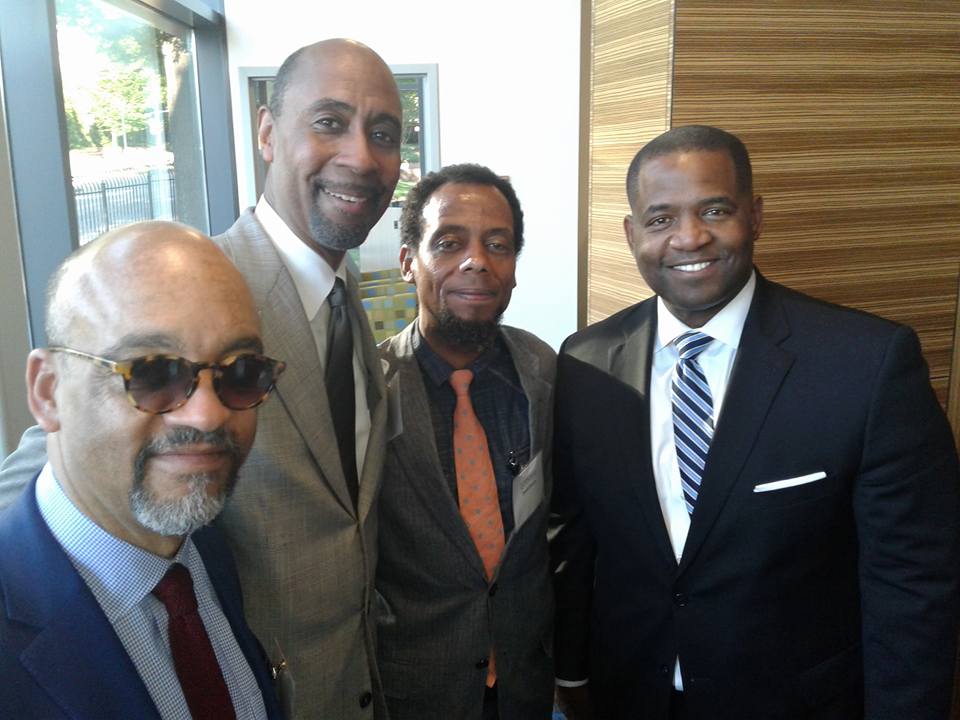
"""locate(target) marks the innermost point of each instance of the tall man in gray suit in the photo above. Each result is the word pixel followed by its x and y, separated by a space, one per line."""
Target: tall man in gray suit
pixel 303 523
pixel 467 606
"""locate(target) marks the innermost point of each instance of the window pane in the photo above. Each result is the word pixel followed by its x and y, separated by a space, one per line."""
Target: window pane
pixel 130 100
pixel 261 88
pixel 411 148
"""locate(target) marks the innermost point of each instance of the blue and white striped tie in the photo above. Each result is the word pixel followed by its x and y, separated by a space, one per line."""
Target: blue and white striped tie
pixel 692 414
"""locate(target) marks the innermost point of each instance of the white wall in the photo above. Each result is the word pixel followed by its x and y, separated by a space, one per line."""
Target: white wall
pixel 508 76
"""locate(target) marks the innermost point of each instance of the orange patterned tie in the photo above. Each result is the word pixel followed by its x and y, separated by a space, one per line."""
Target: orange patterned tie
pixel 476 484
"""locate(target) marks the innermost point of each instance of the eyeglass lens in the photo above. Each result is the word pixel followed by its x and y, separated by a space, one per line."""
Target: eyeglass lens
pixel 244 382
pixel 160 384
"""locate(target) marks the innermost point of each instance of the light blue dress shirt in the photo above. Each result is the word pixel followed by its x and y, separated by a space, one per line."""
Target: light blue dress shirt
pixel 121 578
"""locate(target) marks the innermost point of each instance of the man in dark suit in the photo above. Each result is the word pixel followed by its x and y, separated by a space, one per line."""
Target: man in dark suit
pixel 465 596
pixel 115 599
pixel 760 488
pixel 303 525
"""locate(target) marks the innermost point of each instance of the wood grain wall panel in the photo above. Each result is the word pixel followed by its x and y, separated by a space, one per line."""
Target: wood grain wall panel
pixel 628 103
pixel 850 111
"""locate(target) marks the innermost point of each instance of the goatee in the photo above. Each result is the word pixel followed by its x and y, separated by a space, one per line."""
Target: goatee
pixel 466 335
pixel 333 236
pixel 197 507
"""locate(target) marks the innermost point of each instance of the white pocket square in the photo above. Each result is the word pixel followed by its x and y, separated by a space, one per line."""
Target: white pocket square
pixel 790 482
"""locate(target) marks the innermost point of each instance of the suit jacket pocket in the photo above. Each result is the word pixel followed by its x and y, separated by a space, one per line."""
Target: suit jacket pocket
pixel 398 678
pixel 422 680
pixel 839 676
pixel 773 495
pixel 789 482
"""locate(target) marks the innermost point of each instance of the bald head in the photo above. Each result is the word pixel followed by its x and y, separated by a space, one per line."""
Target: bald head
pixel 331 137
pixel 137 448
pixel 133 266
pixel 331 51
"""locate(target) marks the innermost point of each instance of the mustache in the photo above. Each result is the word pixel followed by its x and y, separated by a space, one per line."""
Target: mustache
pixel 183 435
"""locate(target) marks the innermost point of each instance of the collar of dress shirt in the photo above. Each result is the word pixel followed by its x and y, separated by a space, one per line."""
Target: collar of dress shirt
pixel 726 326
pixel 438 369
pixel 312 275
pixel 119 575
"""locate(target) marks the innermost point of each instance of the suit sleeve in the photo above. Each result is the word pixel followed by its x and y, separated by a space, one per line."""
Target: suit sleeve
pixel 907 508
pixel 22 465
pixel 572 550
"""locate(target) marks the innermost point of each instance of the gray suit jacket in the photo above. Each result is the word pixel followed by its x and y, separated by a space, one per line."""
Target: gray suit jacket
pixel 306 557
pixel 439 616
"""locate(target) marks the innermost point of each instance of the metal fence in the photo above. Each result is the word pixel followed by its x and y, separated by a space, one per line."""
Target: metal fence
pixel 123 198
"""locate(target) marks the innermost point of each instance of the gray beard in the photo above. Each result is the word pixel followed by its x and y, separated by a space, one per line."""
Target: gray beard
pixel 179 517
pixel 197 508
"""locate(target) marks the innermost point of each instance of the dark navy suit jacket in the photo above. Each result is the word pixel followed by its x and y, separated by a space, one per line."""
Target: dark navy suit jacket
pixel 59 655
pixel 834 599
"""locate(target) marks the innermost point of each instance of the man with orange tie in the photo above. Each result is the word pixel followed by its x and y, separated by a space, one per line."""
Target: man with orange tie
pixel 465 600
pixel 116 600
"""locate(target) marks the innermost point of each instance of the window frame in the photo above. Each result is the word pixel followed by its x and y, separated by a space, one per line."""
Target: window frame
pixel 14 329
pixel 39 226
pixel 39 152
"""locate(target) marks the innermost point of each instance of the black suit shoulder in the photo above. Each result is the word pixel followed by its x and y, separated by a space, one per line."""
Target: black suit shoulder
pixel 592 343
pixel 805 313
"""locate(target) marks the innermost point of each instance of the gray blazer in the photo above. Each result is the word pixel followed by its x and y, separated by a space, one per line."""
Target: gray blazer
pixel 439 617
pixel 306 558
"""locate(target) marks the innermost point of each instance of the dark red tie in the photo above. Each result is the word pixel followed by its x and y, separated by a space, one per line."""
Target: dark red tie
pixel 193 657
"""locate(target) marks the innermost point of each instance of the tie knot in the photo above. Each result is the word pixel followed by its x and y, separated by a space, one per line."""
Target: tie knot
pixel 691 344
pixel 175 591
pixel 460 381
pixel 338 295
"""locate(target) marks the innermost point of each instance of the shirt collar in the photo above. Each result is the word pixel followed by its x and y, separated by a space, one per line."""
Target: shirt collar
pixel 312 275
pixel 438 369
pixel 726 326
pixel 119 575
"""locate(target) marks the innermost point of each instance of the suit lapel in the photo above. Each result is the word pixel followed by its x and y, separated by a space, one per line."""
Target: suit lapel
pixel 301 388
pixel 287 335
pixel 416 448
pixel 376 401
pixel 220 569
pixel 105 683
pixel 537 391
pixel 46 593
pixel 629 362
pixel 534 387
pixel 757 376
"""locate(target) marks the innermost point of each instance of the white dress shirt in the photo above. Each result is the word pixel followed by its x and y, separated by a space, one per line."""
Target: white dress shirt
pixel 717 361
pixel 314 278
pixel 121 577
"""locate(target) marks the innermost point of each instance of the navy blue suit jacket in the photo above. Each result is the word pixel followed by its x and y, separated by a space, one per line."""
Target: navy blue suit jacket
pixel 59 655
pixel 835 599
